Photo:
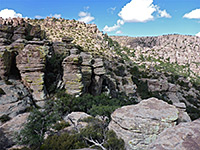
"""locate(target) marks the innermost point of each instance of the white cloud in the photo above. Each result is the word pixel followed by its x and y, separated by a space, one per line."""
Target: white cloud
pixel 194 14
pixel 110 29
pixel 85 17
pixel 138 11
pixel 198 34
pixel 119 32
pixel 38 17
pixel 6 13
pixel 163 14
pixel 113 28
pixel 82 14
pixel 55 15
pixel 141 11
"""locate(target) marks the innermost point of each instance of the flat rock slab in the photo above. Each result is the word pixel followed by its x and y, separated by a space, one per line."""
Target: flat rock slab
pixel 185 136
pixel 138 125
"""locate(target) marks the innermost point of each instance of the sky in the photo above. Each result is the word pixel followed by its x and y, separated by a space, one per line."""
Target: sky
pixel 116 17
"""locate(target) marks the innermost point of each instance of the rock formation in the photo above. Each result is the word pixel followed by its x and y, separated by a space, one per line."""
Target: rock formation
pixel 80 59
pixel 31 64
pixel 15 100
pixel 185 136
pixel 139 125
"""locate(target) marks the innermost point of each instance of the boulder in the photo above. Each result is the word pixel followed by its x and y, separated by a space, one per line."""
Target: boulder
pixel 13 126
pixel 36 32
pixel 185 136
pixel 139 125
pixel 157 85
pixel 75 119
pixel 16 99
pixel 182 116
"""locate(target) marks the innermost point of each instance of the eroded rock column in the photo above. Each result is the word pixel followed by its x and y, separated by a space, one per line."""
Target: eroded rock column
pixel 31 64
pixel 72 75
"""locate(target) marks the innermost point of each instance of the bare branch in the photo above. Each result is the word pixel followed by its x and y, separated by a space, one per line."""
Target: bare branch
pixel 96 143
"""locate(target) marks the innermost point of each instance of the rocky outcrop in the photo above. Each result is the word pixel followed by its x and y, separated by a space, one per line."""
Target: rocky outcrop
pixel 31 64
pixel 139 125
pixel 72 75
pixel 185 136
pixel 15 100
pixel 25 42
pixel 12 127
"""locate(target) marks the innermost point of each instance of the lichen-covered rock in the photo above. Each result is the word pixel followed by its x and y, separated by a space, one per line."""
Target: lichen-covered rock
pixel 185 136
pixel 15 100
pixel 31 64
pixel 5 62
pixel 139 125
pixel 36 32
pixel 72 75
pixel 61 48
pixel 86 70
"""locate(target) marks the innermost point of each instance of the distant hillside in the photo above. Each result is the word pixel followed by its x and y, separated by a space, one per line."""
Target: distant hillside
pixel 175 49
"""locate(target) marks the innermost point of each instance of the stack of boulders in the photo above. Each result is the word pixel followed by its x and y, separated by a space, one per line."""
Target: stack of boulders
pixel 31 64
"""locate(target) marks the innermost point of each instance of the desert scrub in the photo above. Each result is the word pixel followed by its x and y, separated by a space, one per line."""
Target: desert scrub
pixel 60 125
pixel 102 105
pixel 37 124
pixel 2 92
pixel 96 130
pixel 4 118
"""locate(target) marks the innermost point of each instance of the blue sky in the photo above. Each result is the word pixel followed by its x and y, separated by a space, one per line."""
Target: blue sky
pixel 116 17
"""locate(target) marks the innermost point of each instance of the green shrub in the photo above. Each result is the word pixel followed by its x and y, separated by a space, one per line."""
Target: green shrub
pixel 112 142
pixel 4 118
pixel 96 130
pixel 53 69
pixel 61 125
pixel 102 105
pixel 63 142
pixel 2 92
pixel 8 82
pixel 38 123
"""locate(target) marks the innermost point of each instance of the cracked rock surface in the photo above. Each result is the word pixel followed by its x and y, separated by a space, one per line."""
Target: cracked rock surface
pixel 138 125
